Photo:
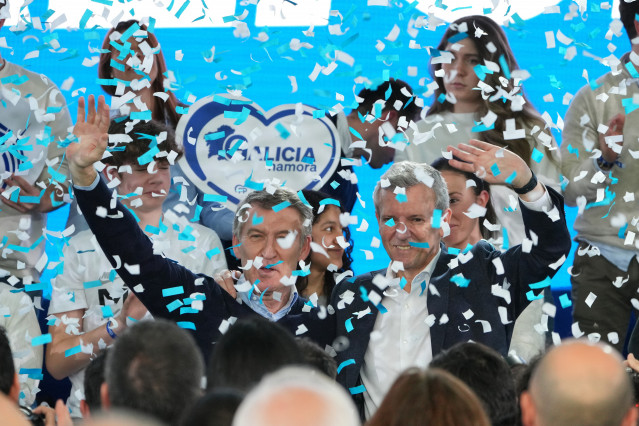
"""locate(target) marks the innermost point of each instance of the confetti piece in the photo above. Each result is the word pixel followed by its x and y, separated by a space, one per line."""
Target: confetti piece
pixel 107 312
pixel 436 219
pixel 417 244
pixel 41 340
pixel 590 299
pixel 460 280
pixel 495 169
pixel 188 325
pixel 357 390
pixel 281 206
pixel 172 291
pixel 72 351
pixel 390 222
pixel 537 155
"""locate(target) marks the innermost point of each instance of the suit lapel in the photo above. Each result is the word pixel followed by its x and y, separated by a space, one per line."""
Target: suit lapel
pixel 438 305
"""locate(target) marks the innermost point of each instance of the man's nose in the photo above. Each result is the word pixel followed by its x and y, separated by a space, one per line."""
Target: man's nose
pixel 269 251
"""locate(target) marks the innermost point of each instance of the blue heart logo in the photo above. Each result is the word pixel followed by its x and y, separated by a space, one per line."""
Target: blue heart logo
pixel 231 146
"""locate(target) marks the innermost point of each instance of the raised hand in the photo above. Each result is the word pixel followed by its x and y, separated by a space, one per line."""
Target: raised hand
pixel 491 163
pixel 91 129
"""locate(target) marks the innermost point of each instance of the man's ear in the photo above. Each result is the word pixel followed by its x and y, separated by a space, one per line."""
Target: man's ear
pixel 104 396
pixel 306 248
pixel 446 214
pixel 236 250
pixel 528 412
pixel 111 172
pixel 392 116
pixel 630 419
pixel 14 391
pixel 84 409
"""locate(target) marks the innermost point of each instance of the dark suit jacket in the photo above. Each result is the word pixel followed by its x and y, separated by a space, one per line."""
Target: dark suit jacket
pixel 119 235
pixel 520 270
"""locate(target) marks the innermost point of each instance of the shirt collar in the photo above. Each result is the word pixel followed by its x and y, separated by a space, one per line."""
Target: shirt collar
pixel 253 300
pixel 423 276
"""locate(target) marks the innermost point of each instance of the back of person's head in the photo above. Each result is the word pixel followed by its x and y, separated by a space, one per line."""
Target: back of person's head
pixel 120 417
pixel 429 397
pixel 317 357
pixel 392 94
pixel 93 379
pixel 216 408
pixel 628 10
pixel 297 396
pixel 250 349
pixel 154 368
pixel 151 138
pixel 487 374
pixel 579 383
pixel 7 368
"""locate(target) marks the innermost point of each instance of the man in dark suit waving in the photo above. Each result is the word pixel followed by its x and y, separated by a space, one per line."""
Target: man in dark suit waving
pixel 430 298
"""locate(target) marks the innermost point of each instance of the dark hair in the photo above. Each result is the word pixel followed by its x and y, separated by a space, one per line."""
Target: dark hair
pixel 491 33
pixel 165 111
pixel 250 349
pixel 487 373
pixel 7 368
pixel 216 408
pixel 429 397
pixel 155 368
pixel 628 11
pixel 314 198
pixel 442 164
pixel 317 357
pixel 93 379
pixel 373 94
pixel 144 135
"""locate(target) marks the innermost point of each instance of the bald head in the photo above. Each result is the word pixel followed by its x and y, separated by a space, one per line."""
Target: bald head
pixel 579 383
pixel 296 396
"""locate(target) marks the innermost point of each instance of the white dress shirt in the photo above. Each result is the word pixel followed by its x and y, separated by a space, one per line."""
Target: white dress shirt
pixel 400 337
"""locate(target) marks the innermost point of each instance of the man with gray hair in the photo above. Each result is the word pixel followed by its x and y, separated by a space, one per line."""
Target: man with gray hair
pixel 297 396
pixel 271 235
pixel 432 297
pixel 579 383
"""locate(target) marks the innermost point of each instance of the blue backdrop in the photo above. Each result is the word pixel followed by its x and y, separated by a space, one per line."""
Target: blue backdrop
pixel 263 69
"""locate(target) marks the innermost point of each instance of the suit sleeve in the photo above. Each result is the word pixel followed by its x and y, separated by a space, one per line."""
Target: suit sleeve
pixel 163 286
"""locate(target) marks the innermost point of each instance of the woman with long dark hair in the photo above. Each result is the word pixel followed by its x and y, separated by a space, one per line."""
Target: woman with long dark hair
pixel 328 258
pixel 480 95
pixel 132 61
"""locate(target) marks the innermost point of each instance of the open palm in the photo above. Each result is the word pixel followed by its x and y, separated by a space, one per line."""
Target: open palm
pixel 91 129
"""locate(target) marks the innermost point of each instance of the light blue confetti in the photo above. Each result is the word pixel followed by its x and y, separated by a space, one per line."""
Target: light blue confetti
pixel 172 291
pixel 537 155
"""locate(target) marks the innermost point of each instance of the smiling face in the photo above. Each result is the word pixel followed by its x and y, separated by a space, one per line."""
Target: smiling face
pixel 411 224
pixel 463 229
pixel 460 78
pixel 325 233
pixel 154 186
pixel 264 235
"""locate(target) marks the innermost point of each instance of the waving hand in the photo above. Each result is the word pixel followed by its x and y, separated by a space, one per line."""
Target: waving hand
pixel 91 129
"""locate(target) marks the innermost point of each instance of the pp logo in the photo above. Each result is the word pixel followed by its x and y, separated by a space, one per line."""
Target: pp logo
pixel 232 146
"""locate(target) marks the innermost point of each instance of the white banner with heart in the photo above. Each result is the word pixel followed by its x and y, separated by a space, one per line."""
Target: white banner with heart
pixel 232 146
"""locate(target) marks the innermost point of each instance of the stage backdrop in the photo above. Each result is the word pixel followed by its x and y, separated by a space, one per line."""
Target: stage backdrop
pixel 314 52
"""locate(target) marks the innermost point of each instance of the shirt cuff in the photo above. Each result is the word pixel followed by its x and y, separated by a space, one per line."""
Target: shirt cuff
pixel 90 187
pixel 539 204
